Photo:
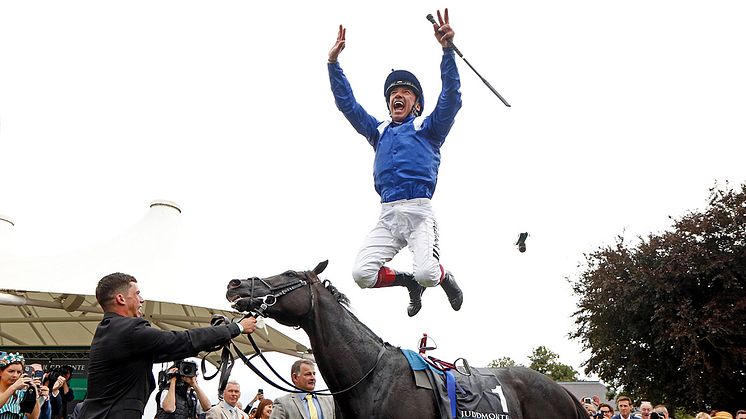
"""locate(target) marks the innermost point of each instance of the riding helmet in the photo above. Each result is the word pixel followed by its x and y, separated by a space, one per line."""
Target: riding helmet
pixel 403 78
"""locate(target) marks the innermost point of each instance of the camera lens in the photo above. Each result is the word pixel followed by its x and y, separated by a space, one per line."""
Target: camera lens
pixel 188 369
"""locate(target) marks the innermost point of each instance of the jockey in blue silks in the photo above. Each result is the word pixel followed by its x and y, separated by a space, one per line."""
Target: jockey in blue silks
pixel 405 172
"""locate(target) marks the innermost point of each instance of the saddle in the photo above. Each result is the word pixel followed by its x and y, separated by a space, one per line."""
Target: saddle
pixel 461 391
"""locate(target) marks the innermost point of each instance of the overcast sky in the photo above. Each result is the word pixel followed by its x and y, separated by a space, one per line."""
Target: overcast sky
pixel 624 113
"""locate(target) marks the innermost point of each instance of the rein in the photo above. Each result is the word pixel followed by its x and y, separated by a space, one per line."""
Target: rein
pixel 227 359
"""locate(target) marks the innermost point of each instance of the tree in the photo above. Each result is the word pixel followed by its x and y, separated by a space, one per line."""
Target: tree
pixel 503 362
pixel 547 362
pixel 665 319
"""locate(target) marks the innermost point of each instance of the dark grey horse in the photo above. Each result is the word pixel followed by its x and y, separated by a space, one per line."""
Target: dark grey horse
pixel 346 352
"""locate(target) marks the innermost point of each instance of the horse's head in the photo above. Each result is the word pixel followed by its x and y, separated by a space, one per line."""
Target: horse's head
pixel 286 297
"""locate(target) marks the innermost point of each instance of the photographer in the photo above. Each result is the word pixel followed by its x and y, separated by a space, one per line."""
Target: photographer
pixel 125 347
pixel 179 393
pixel 43 393
pixel 58 379
pixel 18 389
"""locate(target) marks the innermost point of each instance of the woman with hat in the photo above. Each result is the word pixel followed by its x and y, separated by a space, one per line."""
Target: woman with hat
pixel 14 385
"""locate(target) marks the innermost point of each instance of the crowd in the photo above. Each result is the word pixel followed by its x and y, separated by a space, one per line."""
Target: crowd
pixel 645 410
pixel 28 390
pixel 25 392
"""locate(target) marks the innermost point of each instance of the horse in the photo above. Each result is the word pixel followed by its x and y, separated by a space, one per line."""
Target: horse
pixel 370 373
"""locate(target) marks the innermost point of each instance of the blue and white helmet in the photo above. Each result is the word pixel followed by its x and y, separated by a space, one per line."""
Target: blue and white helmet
pixel 404 78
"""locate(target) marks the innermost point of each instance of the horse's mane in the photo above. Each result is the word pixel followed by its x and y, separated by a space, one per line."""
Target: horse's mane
pixel 341 298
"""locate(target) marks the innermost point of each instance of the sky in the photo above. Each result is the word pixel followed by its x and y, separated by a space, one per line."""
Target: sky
pixel 623 114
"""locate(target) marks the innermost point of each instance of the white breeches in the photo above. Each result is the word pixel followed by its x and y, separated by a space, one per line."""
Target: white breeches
pixel 401 223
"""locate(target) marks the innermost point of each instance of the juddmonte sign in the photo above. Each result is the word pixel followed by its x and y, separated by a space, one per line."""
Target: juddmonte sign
pixel 480 415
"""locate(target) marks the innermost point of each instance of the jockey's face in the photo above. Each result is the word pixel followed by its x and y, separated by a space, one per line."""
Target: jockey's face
pixel 401 101
pixel 306 379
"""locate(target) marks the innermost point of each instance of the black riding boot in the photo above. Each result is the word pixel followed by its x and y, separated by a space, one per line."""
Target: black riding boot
pixel 455 296
pixel 388 277
pixel 415 291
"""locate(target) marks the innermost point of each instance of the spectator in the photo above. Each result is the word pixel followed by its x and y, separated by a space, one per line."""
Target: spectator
pixel 259 396
pixel 646 408
pixel 62 394
pixel 180 397
pixel 606 410
pixel 295 406
pixel 264 410
pixel 741 414
pixel 228 408
pixel 43 397
pixel 125 347
pixel 722 415
pixel 252 413
pixel 590 408
pixel 624 404
pixel 703 415
pixel 661 411
pixel 14 385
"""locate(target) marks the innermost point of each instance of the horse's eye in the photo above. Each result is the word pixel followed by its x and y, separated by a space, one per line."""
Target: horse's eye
pixel 234 283
pixel 292 274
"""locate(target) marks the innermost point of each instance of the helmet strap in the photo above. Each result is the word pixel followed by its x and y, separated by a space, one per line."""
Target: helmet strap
pixel 415 111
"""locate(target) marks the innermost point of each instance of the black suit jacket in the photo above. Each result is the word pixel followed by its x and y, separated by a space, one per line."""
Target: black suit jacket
pixel 123 351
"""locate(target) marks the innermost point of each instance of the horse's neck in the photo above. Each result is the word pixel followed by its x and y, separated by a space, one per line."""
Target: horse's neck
pixel 344 348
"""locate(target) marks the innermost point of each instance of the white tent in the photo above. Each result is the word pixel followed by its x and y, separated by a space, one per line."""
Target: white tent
pixel 46 302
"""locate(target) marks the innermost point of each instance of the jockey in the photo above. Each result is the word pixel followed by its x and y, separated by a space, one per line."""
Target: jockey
pixel 405 172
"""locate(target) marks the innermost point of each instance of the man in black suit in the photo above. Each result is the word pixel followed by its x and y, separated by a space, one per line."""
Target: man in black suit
pixel 125 347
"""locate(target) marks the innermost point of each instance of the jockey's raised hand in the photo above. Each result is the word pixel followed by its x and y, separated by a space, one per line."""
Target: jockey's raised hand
pixel 443 32
pixel 340 44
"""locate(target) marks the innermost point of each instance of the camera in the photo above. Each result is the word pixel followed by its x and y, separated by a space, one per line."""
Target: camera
pixel 53 373
pixel 28 402
pixel 188 369
pixel 184 369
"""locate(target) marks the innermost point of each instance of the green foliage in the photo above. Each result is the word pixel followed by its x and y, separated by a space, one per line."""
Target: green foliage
pixel 547 362
pixel 505 361
pixel 666 319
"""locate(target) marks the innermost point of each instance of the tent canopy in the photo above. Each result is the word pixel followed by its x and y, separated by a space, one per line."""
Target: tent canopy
pixel 34 320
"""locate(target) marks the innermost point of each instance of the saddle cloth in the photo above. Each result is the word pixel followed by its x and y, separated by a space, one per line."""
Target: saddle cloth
pixel 479 395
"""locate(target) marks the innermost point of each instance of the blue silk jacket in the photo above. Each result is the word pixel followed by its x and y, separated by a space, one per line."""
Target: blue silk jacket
pixel 407 153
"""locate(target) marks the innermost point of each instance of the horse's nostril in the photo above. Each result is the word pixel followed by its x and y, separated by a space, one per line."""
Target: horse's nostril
pixel 234 283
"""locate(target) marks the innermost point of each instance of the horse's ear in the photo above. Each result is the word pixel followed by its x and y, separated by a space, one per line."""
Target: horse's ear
pixel 320 267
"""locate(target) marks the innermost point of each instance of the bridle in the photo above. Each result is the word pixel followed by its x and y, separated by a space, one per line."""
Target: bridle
pixel 258 307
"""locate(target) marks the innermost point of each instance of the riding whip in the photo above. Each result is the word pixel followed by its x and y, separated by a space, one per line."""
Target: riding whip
pixel 432 20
